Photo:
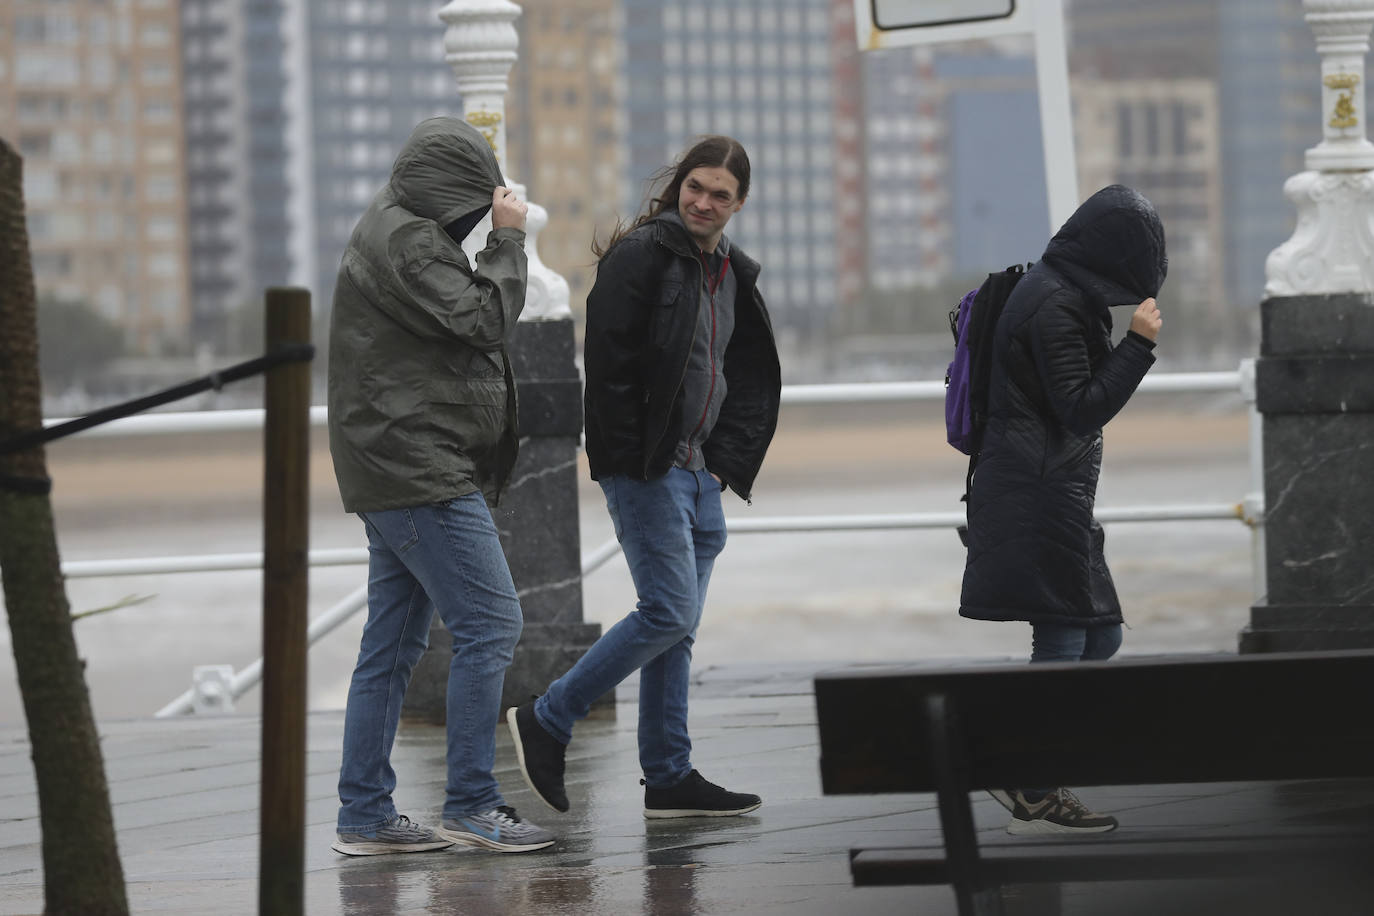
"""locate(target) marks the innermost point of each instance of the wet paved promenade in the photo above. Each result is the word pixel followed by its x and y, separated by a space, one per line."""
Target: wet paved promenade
pixel 186 796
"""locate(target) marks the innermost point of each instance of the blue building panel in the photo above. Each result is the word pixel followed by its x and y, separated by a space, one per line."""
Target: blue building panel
pixel 998 201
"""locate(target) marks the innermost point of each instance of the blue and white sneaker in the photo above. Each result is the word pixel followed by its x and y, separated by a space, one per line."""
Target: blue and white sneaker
pixel 400 835
pixel 500 829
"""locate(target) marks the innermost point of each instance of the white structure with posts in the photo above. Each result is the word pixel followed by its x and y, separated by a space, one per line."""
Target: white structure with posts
pixel 480 45
pixel 1332 248
pixel 893 23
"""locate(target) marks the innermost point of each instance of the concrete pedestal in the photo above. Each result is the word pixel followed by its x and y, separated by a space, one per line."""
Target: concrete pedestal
pixel 1315 388
pixel 539 529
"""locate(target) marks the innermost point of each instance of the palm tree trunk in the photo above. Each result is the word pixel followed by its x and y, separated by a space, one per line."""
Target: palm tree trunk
pixel 81 868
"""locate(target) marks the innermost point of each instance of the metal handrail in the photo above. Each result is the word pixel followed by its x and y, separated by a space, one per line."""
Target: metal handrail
pixel 887 521
pixel 1249 510
pixel 153 424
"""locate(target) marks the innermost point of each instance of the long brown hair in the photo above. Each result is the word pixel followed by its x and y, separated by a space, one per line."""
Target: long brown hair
pixel 711 152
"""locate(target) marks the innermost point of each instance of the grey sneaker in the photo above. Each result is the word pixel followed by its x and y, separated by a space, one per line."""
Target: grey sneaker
pixel 500 829
pixel 400 835
pixel 1058 812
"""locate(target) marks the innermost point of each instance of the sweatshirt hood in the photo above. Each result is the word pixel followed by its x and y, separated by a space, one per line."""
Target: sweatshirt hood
pixel 446 170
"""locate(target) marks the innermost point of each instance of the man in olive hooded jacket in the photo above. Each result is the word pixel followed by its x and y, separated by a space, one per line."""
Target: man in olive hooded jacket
pixel 423 436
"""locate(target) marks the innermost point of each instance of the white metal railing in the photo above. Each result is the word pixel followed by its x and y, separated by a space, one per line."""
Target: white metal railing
pixel 1249 509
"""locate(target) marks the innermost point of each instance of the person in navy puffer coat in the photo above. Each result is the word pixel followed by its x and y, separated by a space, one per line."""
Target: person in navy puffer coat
pixel 1035 552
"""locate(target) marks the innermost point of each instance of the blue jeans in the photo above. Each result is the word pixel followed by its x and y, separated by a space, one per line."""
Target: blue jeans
pixel 671 530
pixel 1056 642
pixel 446 557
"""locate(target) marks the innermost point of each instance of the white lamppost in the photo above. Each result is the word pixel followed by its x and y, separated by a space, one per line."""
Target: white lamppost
pixel 1332 248
pixel 480 45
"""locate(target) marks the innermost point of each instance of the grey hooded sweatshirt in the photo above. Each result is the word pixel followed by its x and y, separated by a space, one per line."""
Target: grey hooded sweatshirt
pixel 421 399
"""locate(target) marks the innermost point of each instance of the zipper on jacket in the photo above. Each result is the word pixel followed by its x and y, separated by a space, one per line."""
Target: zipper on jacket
pixel 711 348
pixel 649 450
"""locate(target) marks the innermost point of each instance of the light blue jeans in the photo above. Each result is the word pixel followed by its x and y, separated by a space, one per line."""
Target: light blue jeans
pixel 446 557
pixel 671 530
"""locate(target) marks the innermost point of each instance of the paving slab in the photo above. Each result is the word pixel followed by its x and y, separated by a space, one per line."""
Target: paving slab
pixel 185 794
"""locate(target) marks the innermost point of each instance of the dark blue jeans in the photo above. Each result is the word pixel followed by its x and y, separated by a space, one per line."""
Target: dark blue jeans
pixel 671 530
pixel 1055 642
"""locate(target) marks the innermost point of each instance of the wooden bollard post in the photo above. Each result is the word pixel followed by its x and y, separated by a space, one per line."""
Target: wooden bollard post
pixel 285 578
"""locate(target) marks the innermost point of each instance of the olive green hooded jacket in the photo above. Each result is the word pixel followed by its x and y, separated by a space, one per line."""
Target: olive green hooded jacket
pixel 421 398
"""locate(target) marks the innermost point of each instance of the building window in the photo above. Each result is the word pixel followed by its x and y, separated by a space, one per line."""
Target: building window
pixel 162 264
pixel 154 34
pixel 157 109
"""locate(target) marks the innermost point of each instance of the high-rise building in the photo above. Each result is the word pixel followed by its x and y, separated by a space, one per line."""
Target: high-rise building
pixel 374 70
pixel 904 149
pixel 1161 137
pixel 564 129
pixel 90 96
pixel 1261 56
pixel 764 72
pixel 852 238
pixel 238 191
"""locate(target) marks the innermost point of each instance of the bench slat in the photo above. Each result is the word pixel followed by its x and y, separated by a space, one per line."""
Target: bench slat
pixel 1056 862
pixel 1130 721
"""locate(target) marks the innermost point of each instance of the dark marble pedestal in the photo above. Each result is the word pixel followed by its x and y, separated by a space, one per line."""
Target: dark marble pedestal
pixel 1314 385
pixel 538 522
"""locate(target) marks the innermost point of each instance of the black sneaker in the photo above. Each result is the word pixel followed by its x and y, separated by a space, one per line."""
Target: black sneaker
pixel 1058 812
pixel 695 797
pixel 540 755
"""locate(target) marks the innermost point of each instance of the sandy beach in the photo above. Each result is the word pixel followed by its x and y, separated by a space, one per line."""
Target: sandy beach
pixel 775 597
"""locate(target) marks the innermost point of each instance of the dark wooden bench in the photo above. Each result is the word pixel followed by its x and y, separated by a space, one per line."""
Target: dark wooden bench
pixel 1127 722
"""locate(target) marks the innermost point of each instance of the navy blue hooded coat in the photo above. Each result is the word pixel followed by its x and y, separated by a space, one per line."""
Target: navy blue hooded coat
pixel 1035 551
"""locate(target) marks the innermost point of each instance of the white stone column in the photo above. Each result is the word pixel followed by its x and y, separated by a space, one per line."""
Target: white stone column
pixel 1312 375
pixel 1332 248
pixel 480 45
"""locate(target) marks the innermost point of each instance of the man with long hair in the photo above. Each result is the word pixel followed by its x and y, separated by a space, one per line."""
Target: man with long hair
pixel 682 395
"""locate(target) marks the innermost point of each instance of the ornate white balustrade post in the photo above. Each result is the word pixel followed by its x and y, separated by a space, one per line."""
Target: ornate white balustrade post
pixel 1312 379
pixel 537 516
pixel 1332 249
pixel 480 45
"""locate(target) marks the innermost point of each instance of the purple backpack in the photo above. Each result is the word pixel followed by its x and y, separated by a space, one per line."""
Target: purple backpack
pixel 972 322
pixel 958 413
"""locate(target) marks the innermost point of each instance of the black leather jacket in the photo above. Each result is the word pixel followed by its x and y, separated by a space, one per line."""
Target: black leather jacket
pixel 641 318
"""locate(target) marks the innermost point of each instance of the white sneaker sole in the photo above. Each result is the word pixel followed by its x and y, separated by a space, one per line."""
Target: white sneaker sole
pixel 1042 827
pixel 383 849
pixel 476 840
pixel 654 813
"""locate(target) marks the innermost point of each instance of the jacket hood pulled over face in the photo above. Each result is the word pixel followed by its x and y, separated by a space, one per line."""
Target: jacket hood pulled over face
pixel 1112 247
pixel 445 171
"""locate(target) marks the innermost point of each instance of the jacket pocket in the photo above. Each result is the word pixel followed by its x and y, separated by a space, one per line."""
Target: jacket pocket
pixel 484 392
pixel 470 414
pixel 664 313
